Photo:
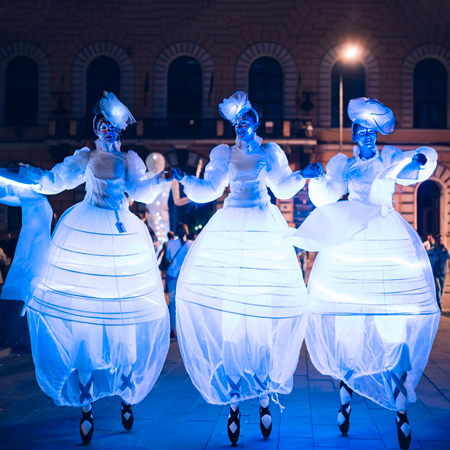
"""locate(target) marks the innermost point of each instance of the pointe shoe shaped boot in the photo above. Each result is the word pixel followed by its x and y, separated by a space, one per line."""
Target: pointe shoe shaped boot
pixel 234 426
pixel 265 421
pixel 127 416
pixel 403 431
pixel 86 426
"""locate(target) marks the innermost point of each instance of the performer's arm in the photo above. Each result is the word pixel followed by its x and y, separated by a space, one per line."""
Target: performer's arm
pixel 332 186
pixel 282 181
pixel 409 167
pixel 66 175
pixel 215 179
pixel 139 187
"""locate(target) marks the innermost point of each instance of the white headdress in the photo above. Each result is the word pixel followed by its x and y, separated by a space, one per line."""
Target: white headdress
pixel 371 113
pixel 114 111
pixel 235 106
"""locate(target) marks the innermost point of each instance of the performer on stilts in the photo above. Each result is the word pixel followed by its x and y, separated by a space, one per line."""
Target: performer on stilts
pixel 373 309
pixel 240 294
pixel 97 315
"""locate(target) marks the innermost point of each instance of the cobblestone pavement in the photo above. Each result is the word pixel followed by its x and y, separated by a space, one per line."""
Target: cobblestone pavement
pixel 174 416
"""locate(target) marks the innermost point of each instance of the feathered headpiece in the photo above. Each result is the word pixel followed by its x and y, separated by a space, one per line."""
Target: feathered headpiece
pixel 235 106
pixel 371 113
pixel 114 111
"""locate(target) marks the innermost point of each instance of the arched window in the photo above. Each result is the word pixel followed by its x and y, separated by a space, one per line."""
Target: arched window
pixel 21 92
pixel 103 74
pixel 428 209
pixel 265 87
pixel 184 84
pixel 354 86
pixel 430 94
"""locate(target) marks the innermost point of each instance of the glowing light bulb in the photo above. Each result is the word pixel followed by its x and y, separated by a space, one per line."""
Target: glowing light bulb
pixel 350 53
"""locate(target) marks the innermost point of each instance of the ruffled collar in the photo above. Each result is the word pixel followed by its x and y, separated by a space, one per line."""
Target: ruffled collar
pixel 251 146
pixel 107 147
pixel 359 158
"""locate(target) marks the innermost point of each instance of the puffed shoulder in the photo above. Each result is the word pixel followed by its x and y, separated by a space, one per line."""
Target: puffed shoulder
pixel 389 151
pixel 220 153
pixel 337 163
pixel 134 161
pixel 82 153
pixel 275 154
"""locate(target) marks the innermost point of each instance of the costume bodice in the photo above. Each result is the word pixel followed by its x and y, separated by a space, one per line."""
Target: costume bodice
pixel 361 174
pixel 247 173
pixel 105 180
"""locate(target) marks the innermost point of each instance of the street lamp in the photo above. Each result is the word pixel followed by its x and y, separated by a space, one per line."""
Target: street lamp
pixel 349 53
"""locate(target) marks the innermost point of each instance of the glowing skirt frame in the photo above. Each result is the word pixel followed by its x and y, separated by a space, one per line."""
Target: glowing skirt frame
pixel 100 309
pixel 373 310
pixel 240 306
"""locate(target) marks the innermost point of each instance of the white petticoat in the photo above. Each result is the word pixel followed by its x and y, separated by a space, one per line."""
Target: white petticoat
pixel 100 308
pixel 240 305
pixel 373 308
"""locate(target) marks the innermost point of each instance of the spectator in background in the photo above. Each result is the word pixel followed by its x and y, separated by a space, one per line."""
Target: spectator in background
pixel 429 243
pixel 6 307
pixel 176 252
pixel 162 260
pixel 303 259
pixel 438 258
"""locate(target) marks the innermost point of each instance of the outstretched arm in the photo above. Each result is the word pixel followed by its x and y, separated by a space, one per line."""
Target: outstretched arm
pixel 66 175
pixel 282 181
pixel 139 187
pixel 215 179
pixel 331 187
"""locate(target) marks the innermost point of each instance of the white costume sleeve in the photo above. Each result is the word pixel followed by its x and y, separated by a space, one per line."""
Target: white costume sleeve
pixel 281 180
pixel 331 187
pixel 215 179
pixel 139 187
pixel 66 175
pixel 395 159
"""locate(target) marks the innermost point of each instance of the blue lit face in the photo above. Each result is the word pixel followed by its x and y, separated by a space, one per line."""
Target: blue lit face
pixel 106 131
pixel 246 127
pixel 365 138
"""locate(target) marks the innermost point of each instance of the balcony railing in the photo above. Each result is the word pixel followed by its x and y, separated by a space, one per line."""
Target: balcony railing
pixel 182 128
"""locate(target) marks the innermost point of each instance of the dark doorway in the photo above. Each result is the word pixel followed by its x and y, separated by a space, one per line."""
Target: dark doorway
pixel 430 94
pixel 184 84
pixel 265 87
pixel 428 209
pixel 103 74
pixel 21 92
pixel 353 84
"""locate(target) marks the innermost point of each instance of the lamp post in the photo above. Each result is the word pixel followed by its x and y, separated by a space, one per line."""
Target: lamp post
pixel 349 54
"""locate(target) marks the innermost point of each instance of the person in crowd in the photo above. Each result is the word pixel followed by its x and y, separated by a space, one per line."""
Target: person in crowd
pixel 429 243
pixel 97 314
pixel 176 253
pixel 241 297
pixel 373 316
pixel 439 257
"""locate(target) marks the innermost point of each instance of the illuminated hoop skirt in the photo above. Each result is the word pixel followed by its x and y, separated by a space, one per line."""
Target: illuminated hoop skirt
pixel 373 308
pixel 240 306
pixel 99 308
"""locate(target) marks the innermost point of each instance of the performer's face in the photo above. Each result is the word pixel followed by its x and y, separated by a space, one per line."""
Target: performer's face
pixel 245 128
pixel 106 131
pixel 364 137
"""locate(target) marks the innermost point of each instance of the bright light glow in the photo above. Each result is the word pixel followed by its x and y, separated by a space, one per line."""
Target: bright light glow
pixel 200 227
pixel 18 183
pixel 350 53
pixel 155 156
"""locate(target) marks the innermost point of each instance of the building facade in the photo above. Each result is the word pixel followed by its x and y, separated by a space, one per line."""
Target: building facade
pixel 172 62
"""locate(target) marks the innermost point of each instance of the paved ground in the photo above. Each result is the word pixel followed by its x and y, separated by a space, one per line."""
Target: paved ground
pixel 174 416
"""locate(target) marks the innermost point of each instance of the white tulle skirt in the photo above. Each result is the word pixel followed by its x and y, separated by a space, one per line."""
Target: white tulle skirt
pixel 373 309
pixel 240 306
pixel 99 309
